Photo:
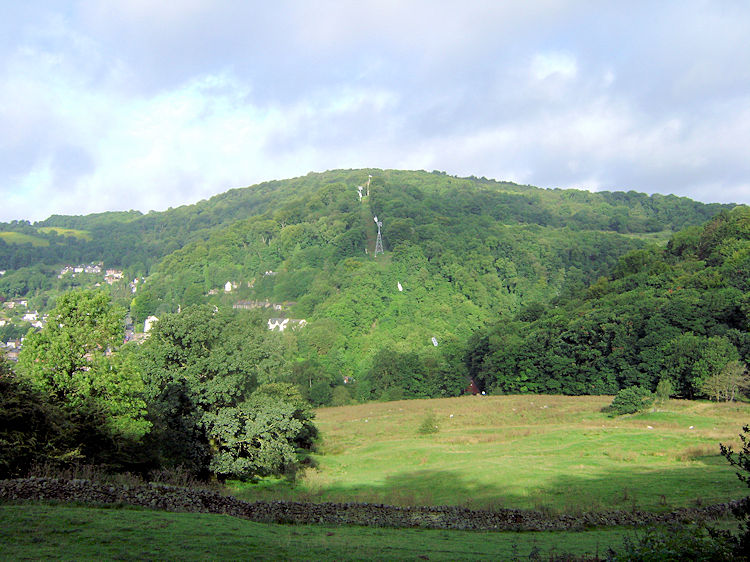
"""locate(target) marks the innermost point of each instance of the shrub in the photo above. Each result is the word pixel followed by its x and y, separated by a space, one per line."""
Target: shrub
pixel 341 396
pixel 631 400
pixel 678 542
pixel 429 425
pixel 741 460
pixel 664 390
pixel 321 394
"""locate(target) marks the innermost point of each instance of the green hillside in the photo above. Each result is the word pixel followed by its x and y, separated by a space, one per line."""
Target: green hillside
pixel 75 233
pixel 136 241
pixel 17 238
pixel 460 254
pixel 463 252
pixel 679 313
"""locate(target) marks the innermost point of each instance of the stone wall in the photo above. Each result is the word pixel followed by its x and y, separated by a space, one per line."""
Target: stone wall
pixel 171 498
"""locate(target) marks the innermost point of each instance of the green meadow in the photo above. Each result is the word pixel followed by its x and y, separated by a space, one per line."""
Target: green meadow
pixel 80 234
pixel 21 238
pixel 40 531
pixel 553 453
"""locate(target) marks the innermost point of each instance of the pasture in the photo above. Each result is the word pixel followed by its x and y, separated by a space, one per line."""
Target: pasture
pixel 80 234
pixel 21 238
pixel 39 531
pixel 551 453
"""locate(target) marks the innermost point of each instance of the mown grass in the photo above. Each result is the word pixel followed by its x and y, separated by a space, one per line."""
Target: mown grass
pixel 80 234
pixel 553 453
pixel 39 531
pixel 21 238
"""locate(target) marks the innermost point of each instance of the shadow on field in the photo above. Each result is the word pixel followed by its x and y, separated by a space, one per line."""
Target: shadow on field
pixel 705 481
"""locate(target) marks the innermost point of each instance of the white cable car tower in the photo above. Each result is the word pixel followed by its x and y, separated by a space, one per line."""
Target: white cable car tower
pixel 379 241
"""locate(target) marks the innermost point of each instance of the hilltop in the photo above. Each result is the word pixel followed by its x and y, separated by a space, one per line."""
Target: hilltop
pixel 460 253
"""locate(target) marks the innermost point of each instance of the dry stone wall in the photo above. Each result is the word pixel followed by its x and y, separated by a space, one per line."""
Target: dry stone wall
pixel 171 498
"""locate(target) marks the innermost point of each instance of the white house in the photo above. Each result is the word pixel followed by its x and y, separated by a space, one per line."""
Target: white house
pixel 149 323
pixel 284 323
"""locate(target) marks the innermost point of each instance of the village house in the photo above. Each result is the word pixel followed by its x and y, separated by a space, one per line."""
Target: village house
pixel 149 323
pixel 13 303
pixel 112 276
pixel 283 323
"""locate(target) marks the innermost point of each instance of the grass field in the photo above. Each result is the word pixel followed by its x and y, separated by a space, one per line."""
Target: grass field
pixel 81 234
pixel 546 452
pixel 40 531
pixel 20 238
pixel 553 453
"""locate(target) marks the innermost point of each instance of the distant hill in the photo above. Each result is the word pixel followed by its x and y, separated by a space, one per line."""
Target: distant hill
pixel 459 253
pixel 137 241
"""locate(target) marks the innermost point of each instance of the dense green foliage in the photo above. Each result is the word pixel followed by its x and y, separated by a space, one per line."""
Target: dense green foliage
pixel 463 251
pixel 214 396
pixel 631 400
pixel 677 543
pixel 136 241
pixel 461 254
pixel 680 312
pixel 72 359
pixel 204 394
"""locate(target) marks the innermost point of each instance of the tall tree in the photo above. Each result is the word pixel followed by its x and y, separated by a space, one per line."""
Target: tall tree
pixel 75 359
pixel 203 368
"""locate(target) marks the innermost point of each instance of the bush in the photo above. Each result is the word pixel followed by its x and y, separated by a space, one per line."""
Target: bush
pixel 631 400
pixel 678 543
pixel 341 396
pixel 321 394
pixel 664 390
pixel 429 425
pixel 741 460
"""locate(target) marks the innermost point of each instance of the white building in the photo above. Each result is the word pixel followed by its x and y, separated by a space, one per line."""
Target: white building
pixel 283 323
pixel 149 323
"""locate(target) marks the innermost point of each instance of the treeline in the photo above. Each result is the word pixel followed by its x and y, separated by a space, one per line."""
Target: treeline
pixel 207 394
pixel 680 313
pixel 132 240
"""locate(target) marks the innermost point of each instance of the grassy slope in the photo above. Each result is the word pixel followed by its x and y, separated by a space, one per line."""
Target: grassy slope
pixel 546 452
pixel 81 234
pixel 43 531
pixel 551 452
pixel 20 238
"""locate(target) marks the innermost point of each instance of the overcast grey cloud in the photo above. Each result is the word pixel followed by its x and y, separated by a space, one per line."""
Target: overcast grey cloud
pixel 109 105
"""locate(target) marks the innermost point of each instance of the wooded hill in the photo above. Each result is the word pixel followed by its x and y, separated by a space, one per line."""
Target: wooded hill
pixel 680 313
pixel 464 251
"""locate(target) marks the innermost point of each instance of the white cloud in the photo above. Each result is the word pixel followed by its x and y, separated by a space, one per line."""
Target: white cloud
pixel 555 64
pixel 112 105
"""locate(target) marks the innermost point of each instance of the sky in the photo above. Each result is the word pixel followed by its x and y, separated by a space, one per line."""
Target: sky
pixel 109 105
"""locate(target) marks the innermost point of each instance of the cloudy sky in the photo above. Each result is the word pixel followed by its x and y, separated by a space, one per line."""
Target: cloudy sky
pixel 117 105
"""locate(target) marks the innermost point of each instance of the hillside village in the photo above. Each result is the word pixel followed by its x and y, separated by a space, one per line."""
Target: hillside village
pixel 16 314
